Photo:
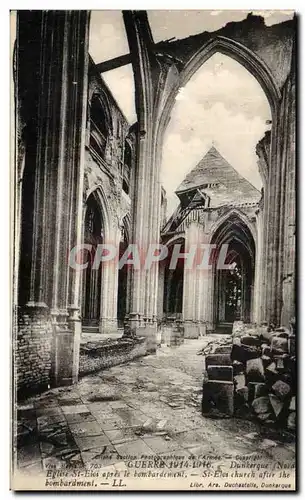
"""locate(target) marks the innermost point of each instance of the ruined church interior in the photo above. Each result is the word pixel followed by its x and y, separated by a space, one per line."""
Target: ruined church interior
pixel 130 129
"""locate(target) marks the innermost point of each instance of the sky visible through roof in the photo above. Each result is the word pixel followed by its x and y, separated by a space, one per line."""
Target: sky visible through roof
pixel 222 105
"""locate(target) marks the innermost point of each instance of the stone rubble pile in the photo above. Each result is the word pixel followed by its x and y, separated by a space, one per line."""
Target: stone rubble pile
pixel 213 345
pixel 254 377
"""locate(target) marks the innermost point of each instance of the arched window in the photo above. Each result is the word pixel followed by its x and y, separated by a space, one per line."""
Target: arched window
pixel 94 235
pixel 99 126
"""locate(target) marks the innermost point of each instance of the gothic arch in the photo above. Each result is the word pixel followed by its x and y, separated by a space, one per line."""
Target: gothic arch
pixel 103 98
pixel 94 234
pixel 237 214
pixel 177 238
pixel 108 280
pixel 172 300
pixel 243 55
pixel 246 57
pixel 126 222
pixel 233 289
pixel 104 208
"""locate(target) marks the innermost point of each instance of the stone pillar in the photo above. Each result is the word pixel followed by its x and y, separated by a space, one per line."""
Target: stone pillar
pixel 209 302
pixel 139 238
pixel 280 191
pixel 161 277
pixel 263 150
pixel 256 309
pixel 142 309
pixel 192 297
pixel 289 224
pixel 109 291
pixel 59 40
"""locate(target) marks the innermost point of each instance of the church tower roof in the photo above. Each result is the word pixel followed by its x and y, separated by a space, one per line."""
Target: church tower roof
pixel 214 176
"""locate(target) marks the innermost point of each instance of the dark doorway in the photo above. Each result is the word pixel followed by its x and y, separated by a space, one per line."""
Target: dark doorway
pixel 173 287
pixel 92 278
pixel 233 287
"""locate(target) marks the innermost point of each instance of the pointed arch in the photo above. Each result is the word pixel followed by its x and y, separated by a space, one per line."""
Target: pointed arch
pixel 177 238
pixel 233 289
pixel 100 96
pixel 104 208
pixel 126 222
pixel 242 54
pixel 233 214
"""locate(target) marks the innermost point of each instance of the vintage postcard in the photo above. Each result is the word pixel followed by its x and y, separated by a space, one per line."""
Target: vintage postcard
pixel 154 199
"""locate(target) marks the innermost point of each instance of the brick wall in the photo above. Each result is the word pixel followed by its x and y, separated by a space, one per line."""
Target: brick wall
pixel 33 349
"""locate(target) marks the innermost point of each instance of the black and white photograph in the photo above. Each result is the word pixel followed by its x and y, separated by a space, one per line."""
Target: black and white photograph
pixel 154 269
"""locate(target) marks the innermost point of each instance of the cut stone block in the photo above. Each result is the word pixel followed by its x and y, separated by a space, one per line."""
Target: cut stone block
pixel 255 370
pixel 218 360
pixel 261 405
pixel 281 389
pixel 243 353
pixel 257 390
pixel 250 340
pixel 217 398
pixel 279 345
pixel 276 404
pixel 281 361
pixel 218 372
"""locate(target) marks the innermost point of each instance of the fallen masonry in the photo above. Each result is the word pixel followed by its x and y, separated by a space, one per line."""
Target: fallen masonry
pixel 253 376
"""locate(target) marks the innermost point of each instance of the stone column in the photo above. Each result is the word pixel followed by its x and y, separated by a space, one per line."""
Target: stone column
pixel 256 309
pixel 289 223
pixel 109 291
pixel 161 276
pixel 208 300
pixel 191 284
pixel 144 230
pixel 282 162
pixel 263 150
pixel 60 40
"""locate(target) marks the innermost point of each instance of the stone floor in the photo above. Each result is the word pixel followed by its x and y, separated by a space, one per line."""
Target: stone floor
pixel 147 407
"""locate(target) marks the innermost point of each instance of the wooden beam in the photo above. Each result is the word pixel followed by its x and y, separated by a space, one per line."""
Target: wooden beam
pixel 117 62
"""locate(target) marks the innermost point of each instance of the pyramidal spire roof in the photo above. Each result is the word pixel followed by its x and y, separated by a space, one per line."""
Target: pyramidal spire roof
pixel 214 169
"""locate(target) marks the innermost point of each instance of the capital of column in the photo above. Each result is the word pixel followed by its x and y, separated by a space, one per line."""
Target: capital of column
pixel 73 314
pixel 59 318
